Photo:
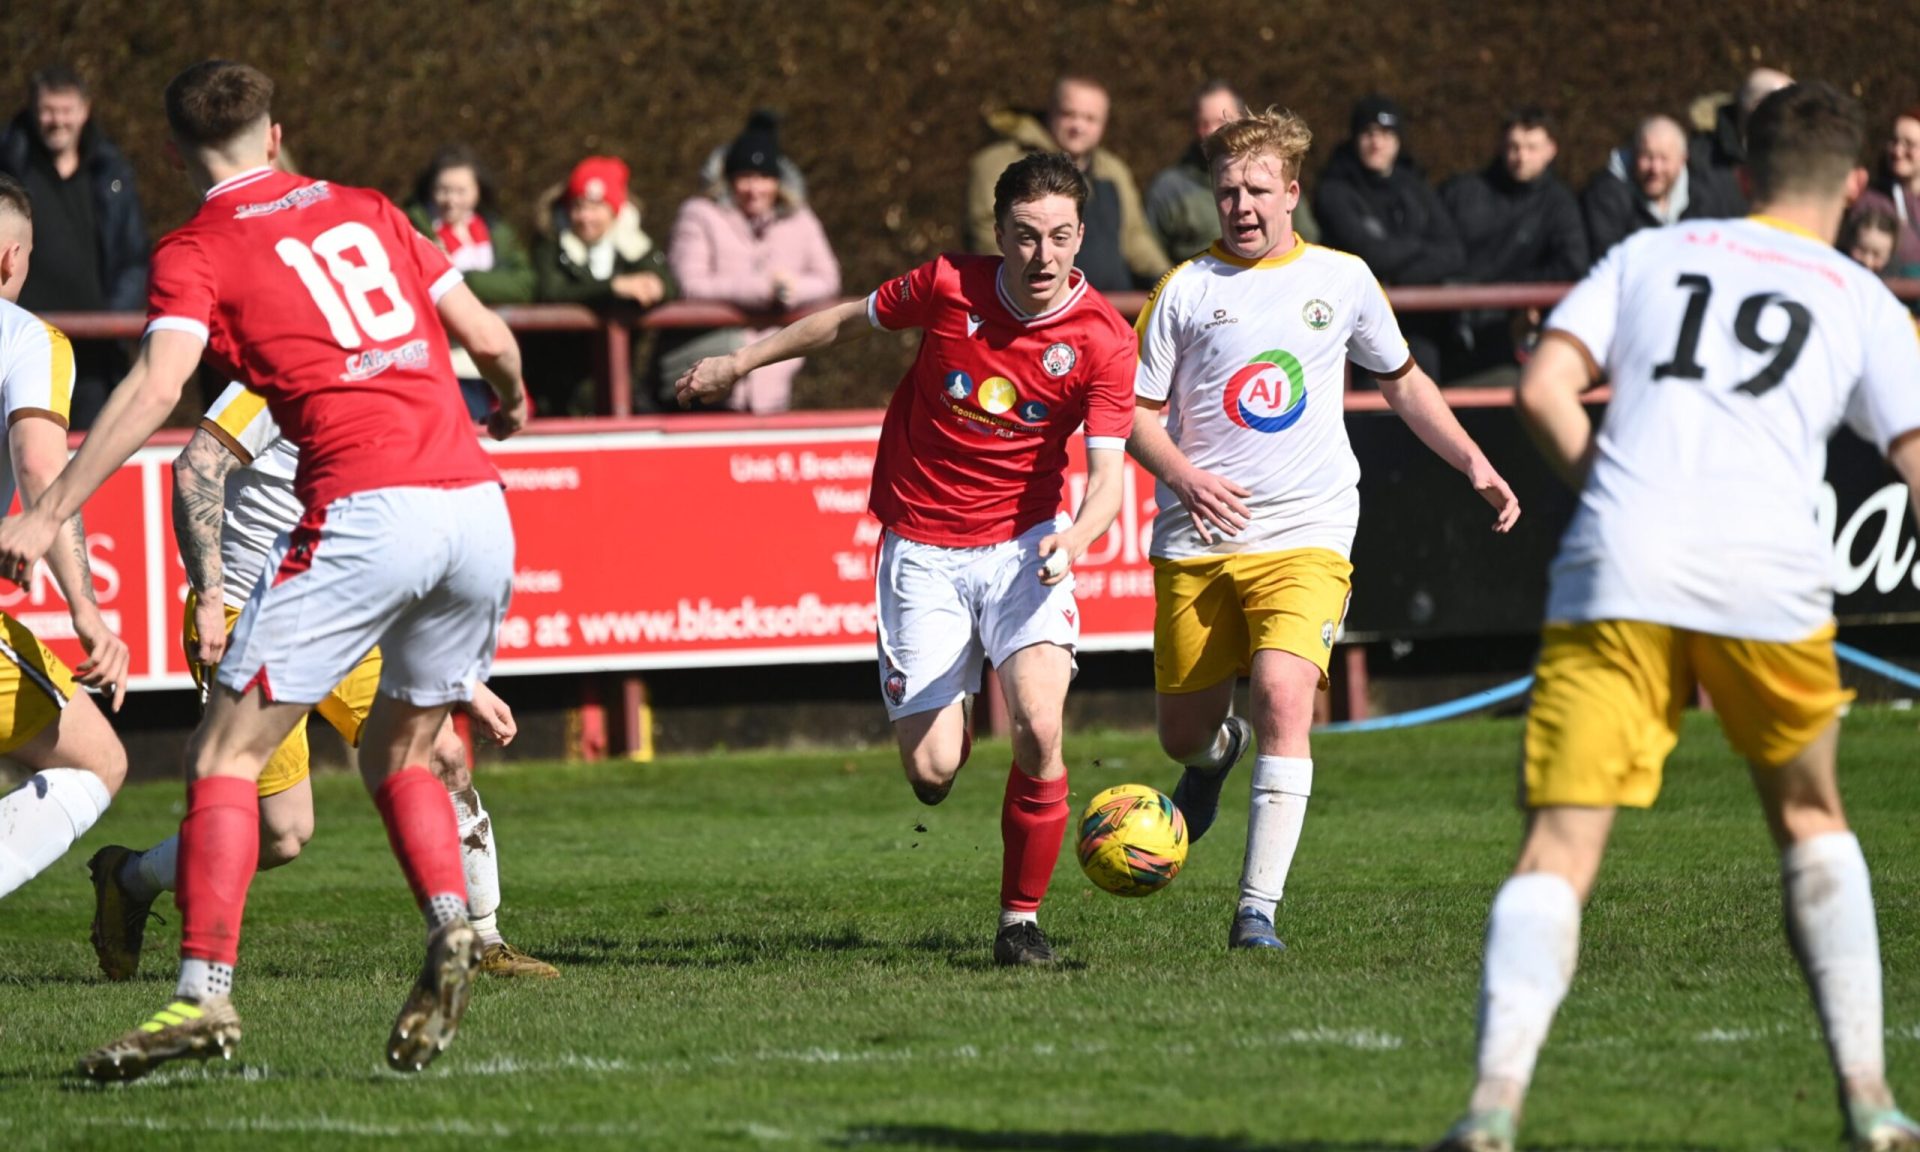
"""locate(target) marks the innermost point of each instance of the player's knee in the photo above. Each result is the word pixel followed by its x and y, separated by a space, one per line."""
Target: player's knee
pixel 450 763
pixel 109 765
pixel 1183 738
pixel 282 846
pixel 1036 740
pixel 930 776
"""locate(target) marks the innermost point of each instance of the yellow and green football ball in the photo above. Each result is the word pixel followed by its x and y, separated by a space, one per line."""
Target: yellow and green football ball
pixel 1132 840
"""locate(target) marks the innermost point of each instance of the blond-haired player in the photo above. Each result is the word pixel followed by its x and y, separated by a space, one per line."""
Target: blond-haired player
pixel 77 760
pixel 1245 348
pixel 1735 349
pixel 232 499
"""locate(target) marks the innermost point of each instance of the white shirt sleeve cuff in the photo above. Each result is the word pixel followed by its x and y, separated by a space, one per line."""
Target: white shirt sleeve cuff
pixel 1106 443
pixel 444 285
pixel 177 324
pixel 873 311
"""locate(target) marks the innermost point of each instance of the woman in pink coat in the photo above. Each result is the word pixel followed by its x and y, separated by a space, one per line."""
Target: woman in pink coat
pixel 751 246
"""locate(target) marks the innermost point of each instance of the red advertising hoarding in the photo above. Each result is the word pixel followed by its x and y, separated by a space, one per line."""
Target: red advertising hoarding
pixel 635 550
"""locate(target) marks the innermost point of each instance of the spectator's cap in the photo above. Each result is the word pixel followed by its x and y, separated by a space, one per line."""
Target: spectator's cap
pixel 602 178
pixel 757 149
pixel 1377 111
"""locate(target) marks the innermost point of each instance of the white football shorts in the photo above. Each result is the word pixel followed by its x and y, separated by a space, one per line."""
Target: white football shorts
pixel 942 610
pixel 424 573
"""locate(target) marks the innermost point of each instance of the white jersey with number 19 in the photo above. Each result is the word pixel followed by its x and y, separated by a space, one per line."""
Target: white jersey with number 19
pixel 1735 349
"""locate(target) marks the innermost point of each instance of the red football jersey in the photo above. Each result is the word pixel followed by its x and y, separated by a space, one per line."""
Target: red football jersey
pixel 974 446
pixel 321 298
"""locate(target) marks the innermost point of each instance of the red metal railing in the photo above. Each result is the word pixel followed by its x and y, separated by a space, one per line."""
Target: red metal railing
pixel 616 331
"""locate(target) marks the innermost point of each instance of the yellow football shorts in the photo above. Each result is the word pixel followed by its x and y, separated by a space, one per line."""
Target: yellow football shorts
pixel 1607 697
pixel 1212 613
pixel 34 685
pixel 345 708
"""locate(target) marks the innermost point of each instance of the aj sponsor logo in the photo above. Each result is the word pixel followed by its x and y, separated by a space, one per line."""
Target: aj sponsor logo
pixel 1058 359
pixel 1269 394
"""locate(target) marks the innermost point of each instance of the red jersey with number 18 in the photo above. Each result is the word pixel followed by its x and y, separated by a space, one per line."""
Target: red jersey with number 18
pixel 974 446
pixel 321 298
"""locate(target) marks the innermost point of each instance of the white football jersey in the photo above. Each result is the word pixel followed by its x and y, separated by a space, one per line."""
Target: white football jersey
pixel 36 379
pixel 260 500
pixel 1735 350
pixel 1250 358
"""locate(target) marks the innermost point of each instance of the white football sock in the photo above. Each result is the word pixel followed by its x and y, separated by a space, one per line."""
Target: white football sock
pixel 1533 941
pixel 1281 785
pixel 1215 757
pixel 147 874
pixel 1009 917
pixel 201 980
pixel 42 818
pixel 1830 922
pixel 482 863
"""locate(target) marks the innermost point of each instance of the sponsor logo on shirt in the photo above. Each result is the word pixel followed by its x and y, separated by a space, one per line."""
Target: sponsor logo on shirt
pixel 1219 317
pixel 997 395
pixel 296 199
pixel 1318 314
pixel 959 385
pixel 1058 359
pixel 1033 412
pixel 905 288
pixel 1269 394
pixel 366 365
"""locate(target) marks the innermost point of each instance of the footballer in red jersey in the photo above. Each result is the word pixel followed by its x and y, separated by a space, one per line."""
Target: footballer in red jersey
pixel 322 299
pixel 1017 354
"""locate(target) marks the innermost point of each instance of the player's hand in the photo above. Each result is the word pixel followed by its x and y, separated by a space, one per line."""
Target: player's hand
pixel 712 377
pixel 210 629
pixel 508 419
pixel 1494 491
pixel 107 659
pixel 1211 500
pixel 1058 554
pixel 24 539
pixel 643 288
pixel 492 715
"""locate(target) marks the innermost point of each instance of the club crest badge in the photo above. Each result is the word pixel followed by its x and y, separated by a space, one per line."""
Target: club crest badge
pixel 1318 314
pixel 1058 359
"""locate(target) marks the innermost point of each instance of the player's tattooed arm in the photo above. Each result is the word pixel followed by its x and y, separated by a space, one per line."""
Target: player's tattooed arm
pixel 77 545
pixel 199 507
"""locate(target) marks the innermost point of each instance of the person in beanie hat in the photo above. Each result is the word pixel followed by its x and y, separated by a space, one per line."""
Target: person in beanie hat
pixel 1374 202
pixel 750 245
pixel 713 170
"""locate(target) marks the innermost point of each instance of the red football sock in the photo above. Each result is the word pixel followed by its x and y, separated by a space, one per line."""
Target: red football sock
pixel 219 851
pixel 1033 822
pixel 424 834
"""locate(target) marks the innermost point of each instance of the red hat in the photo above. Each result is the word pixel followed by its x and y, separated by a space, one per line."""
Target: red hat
pixel 599 178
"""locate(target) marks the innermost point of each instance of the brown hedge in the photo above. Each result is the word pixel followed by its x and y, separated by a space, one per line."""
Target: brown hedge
pixel 882 99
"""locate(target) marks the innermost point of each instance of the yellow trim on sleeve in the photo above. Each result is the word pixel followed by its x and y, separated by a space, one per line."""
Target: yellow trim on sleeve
pixel 236 417
pixel 60 381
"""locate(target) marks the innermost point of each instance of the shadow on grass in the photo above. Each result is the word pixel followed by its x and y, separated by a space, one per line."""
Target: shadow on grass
pixel 747 949
pixel 935 1136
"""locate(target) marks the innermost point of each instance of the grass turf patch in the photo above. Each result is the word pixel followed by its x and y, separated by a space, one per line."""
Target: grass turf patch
pixel 787 951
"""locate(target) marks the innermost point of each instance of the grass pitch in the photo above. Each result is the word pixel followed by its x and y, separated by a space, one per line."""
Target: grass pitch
pixel 788 952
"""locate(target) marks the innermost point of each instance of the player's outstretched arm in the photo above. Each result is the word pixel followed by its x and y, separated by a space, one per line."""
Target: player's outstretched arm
pixel 1549 402
pixel 1213 503
pixel 199 513
pixel 39 453
pixel 495 352
pixel 132 413
pixel 714 376
pixel 1098 508
pixel 1416 399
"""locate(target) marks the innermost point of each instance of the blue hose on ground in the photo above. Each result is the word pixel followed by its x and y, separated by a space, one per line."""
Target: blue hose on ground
pixel 1876 665
pixel 1429 715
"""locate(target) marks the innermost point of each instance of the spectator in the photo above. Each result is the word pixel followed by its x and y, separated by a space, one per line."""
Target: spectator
pixel 454 204
pixel 1896 191
pixel 90 242
pixel 1374 202
pixel 1870 236
pixel 1119 251
pixel 1718 147
pixel 1650 185
pixel 1180 207
pixel 596 254
pixel 713 170
pixel 753 248
pixel 1518 223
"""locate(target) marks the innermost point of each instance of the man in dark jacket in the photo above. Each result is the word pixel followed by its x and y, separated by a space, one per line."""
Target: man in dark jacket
pixel 1519 223
pixel 90 242
pixel 1650 185
pixel 1374 202
pixel 1717 152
